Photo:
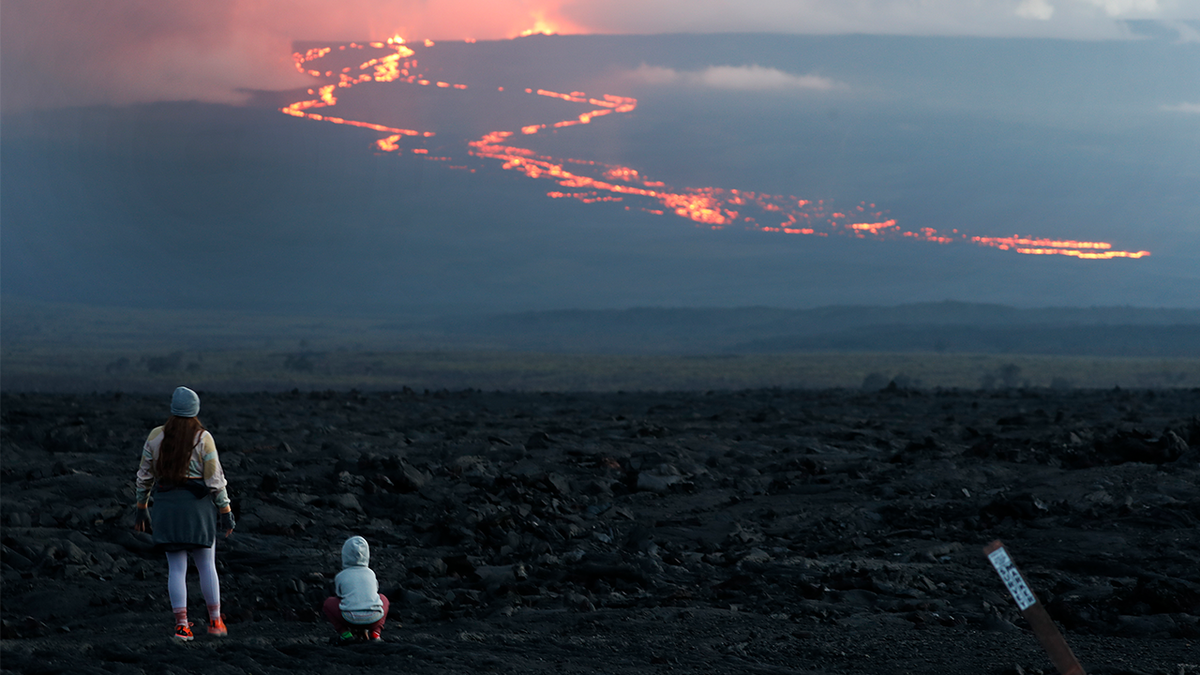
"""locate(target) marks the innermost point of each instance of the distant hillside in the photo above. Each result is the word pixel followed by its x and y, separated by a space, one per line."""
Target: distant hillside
pixel 185 205
pixel 944 327
pixel 928 327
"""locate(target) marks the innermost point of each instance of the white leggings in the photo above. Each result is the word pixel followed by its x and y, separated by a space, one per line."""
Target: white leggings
pixel 206 565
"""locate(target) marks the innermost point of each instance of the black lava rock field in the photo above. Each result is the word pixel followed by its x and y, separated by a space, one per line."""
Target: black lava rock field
pixel 763 531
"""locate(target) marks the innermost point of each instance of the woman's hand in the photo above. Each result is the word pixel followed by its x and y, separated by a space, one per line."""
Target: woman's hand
pixel 225 522
pixel 142 521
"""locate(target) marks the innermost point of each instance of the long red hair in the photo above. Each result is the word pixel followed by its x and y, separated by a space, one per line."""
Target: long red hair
pixel 179 437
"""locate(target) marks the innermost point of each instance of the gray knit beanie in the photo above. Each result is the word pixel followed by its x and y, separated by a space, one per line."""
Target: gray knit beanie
pixel 185 403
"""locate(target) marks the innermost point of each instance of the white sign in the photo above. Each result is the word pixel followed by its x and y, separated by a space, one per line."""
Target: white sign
pixel 1012 578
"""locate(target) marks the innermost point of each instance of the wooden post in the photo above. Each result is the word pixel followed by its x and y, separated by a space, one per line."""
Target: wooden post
pixel 1033 610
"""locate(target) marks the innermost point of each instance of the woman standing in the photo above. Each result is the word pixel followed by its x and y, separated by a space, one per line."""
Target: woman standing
pixel 181 470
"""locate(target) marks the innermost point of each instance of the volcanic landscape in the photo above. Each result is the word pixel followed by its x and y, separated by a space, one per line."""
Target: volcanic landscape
pixel 761 531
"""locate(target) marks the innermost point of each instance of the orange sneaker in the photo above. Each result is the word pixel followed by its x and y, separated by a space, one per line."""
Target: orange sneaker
pixel 183 632
pixel 217 627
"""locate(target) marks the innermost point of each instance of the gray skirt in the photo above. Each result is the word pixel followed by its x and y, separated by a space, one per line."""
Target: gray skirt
pixel 183 521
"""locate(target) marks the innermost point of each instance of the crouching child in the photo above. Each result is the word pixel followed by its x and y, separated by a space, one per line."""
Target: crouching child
pixel 358 610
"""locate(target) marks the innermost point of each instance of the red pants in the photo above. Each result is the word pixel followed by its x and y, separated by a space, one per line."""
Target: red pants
pixel 334 613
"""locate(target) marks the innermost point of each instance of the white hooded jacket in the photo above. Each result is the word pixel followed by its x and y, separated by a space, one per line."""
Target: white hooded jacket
pixel 356 584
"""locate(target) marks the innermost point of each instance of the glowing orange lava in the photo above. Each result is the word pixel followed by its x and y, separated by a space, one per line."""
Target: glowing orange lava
pixel 592 182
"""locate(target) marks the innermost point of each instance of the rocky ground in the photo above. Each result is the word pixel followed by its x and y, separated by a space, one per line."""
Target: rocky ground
pixel 765 531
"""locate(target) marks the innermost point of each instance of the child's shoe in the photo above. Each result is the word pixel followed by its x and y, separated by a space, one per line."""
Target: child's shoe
pixel 217 627
pixel 374 636
pixel 183 632
pixel 346 638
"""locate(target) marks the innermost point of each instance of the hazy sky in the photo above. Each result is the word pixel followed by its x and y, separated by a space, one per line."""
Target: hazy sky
pixel 65 52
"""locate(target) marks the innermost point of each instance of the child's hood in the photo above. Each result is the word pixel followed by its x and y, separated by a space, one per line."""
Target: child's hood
pixel 356 553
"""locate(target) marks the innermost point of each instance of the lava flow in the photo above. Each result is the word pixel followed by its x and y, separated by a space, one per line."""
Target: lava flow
pixel 589 182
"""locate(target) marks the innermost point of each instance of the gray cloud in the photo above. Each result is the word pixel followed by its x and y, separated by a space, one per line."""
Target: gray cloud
pixel 1035 9
pixel 1192 108
pixel 738 78
pixel 1126 7
pixel 58 53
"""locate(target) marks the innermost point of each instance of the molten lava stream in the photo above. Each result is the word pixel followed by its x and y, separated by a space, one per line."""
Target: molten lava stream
pixel 593 182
